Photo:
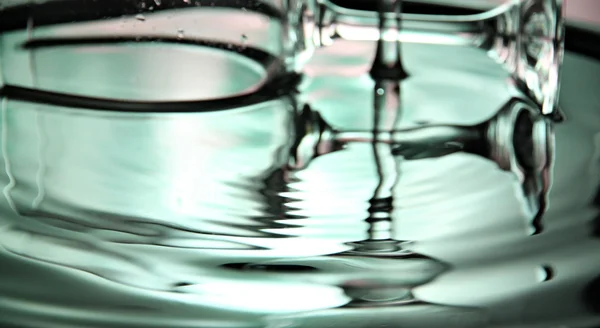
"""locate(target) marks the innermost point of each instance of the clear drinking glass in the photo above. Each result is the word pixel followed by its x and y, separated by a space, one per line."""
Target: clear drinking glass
pixel 147 50
pixel 165 168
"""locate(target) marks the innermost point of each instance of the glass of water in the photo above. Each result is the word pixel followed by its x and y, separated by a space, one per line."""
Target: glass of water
pixel 186 50
pixel 267 211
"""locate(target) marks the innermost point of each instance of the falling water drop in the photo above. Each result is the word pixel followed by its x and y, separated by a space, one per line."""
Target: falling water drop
pixel 157 2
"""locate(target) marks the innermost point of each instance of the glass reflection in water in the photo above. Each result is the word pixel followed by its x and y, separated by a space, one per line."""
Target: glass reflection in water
pixel 293 206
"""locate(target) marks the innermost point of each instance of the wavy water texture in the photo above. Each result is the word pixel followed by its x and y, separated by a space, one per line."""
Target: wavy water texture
pixel 207 220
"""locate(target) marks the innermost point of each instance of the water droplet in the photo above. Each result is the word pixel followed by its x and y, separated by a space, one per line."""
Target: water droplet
pixel 140 17
pixel 244 39
pixel 157 2
pixel 545 273
pixel 180 33
pixel 187 1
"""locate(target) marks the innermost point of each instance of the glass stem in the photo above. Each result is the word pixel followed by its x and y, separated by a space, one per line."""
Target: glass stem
pixel 425 135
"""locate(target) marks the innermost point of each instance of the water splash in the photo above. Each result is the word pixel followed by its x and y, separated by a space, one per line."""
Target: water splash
pixel 255 216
